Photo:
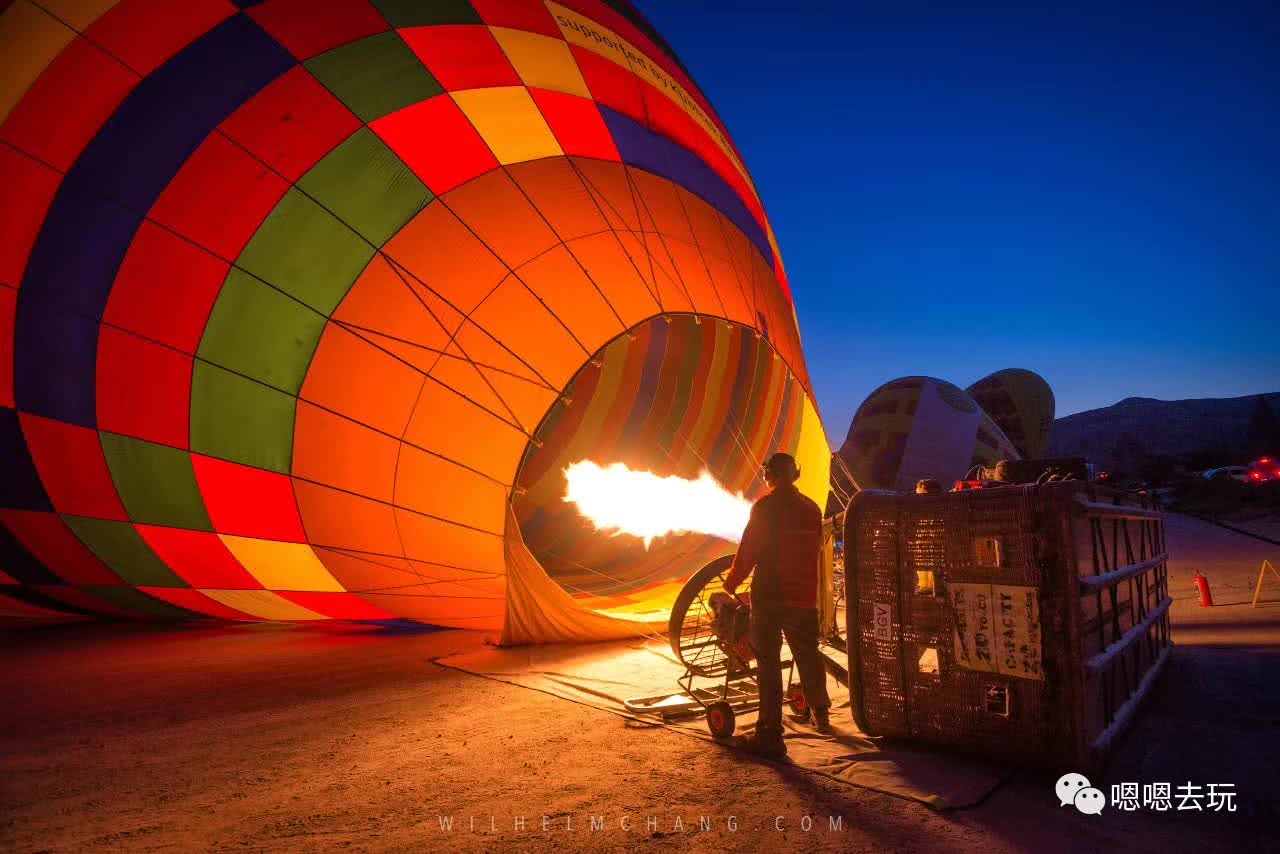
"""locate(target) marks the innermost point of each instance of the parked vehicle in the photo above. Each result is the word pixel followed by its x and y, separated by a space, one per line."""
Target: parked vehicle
pixel 1236 473
pixel 1264 469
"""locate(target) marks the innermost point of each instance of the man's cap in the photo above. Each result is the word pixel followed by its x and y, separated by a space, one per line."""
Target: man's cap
pixel 781 463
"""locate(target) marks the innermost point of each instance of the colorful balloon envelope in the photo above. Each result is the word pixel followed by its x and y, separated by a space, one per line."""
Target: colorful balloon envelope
pixel 305 308
pixel 916 428
pixel 1021 403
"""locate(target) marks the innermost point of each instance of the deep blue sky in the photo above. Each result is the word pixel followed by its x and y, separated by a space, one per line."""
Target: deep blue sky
pixel 1091 194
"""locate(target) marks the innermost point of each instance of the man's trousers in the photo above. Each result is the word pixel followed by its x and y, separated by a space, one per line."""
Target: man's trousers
pixel 800 626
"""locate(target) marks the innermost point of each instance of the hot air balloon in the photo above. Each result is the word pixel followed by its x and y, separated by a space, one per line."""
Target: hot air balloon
pixel 1021 403
pixel 305 310
pixel 914 428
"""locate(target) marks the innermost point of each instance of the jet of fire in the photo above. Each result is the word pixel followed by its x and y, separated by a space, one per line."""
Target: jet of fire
pixel 647 506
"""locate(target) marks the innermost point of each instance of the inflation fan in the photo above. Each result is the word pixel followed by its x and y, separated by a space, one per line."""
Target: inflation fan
pixel 709 631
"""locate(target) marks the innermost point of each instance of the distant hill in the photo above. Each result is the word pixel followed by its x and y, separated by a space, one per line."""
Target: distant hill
pixel 1156 426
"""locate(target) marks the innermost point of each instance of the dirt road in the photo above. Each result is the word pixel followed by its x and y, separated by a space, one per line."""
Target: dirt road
pixel 268 738
pixel 257 738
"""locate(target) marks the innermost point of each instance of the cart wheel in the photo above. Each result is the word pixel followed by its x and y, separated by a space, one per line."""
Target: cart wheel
pixel 720 720
pixel 795 698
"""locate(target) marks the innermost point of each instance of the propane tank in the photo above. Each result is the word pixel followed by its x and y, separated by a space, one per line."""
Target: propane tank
pixel 1202 583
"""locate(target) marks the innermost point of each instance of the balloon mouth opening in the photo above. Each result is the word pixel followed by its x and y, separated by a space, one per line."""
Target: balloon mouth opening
pixel 662 429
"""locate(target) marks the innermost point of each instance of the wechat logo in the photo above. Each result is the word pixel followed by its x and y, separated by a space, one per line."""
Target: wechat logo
pixel 1075 789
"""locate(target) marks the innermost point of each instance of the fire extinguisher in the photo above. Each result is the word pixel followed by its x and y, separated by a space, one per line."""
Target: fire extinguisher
pixel 1202 583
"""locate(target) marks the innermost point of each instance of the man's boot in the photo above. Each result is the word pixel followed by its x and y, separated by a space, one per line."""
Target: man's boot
pixel 822 721
pixel 764 746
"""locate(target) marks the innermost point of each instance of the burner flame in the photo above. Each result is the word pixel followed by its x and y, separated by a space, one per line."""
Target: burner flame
pixel 645 505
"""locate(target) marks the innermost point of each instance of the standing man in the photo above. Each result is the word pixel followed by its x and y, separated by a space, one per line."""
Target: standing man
pixel 782 543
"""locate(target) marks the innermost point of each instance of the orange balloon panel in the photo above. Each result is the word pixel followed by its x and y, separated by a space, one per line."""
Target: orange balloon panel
pixel 304 322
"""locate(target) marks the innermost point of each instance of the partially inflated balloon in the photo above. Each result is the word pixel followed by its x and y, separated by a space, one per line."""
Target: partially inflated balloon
pixel 916 428
pixel 294 299
pixel 1021 403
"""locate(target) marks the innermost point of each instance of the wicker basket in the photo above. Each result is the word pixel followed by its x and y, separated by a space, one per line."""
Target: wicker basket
pixel 1021 622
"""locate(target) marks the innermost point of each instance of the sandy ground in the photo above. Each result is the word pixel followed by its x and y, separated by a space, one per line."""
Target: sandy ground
pixel 262 738
pixel 1231 563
